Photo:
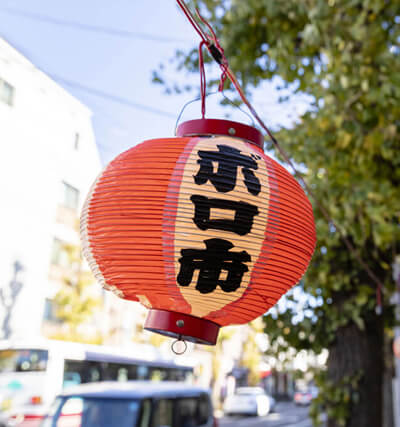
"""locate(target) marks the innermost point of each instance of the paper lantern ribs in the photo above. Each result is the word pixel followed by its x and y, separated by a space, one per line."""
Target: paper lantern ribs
pixel 203 229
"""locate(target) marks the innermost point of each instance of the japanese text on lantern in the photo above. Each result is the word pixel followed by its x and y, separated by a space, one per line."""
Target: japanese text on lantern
pixel 221 264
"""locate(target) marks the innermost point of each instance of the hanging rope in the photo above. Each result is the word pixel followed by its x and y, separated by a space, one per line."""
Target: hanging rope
pixel 249 116
pixel 216 51
pixel 203 82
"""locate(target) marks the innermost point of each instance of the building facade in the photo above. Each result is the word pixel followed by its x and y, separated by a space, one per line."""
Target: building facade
pixel 49 160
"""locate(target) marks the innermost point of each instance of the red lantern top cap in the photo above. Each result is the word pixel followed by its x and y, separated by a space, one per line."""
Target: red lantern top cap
pixel 204 127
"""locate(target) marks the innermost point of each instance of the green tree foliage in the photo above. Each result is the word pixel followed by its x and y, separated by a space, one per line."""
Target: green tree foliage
pixel 344 54
pixel 75 302
pixel 216 364
pixel 251 354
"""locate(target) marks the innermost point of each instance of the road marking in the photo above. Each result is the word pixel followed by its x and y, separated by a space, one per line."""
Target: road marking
pixel 272 419
pixel 305 423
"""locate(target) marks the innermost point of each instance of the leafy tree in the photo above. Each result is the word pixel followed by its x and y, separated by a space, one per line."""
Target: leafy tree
pixel 251 354
pixel 217 379
pixel 75 302
pixel 345 55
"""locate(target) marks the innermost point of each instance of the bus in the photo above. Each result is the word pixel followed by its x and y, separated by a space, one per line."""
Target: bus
pixel 32 374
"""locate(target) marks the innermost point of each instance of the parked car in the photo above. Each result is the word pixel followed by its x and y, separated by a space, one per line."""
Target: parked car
pixel 132 404
pixel 3 420
pixel 249 400
pixel 304 397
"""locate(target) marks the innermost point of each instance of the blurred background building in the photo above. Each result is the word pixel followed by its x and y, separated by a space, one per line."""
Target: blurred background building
pixel 48 163
pixel 50 159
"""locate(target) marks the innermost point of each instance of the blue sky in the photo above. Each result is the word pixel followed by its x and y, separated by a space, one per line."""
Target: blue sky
pixel 117 65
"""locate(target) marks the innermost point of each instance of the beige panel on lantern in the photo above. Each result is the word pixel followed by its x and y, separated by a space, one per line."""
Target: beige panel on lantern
pixel 189 236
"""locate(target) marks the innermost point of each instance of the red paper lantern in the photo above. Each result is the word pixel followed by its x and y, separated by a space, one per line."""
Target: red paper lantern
pixel 204 229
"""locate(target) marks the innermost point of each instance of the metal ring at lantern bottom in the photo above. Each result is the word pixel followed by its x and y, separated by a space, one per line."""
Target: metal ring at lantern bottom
pixel 175 342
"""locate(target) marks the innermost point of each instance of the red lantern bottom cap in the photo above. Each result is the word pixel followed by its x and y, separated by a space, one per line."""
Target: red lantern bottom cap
pixel 182 326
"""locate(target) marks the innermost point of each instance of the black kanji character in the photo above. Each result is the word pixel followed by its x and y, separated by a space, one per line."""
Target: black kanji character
pixel 228 159
pixel 241 224
pixel 211 262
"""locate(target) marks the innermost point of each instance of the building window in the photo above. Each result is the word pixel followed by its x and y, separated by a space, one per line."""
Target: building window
pixel 6 92
pixel 71 196
pixel 76 141
pixel 59 254
pixel 50 311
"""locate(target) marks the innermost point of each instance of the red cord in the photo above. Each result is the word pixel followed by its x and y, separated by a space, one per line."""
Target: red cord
pixel 213 40
pixel 191 19
pixel 203 81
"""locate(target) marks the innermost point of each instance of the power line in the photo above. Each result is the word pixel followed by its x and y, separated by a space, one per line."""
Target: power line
pixel 97 92
pixel 111 97
pixel 87 27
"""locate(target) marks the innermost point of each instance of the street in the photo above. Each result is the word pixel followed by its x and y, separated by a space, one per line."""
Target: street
pixel 285 414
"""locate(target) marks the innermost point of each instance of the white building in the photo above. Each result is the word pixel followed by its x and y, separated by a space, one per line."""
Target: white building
pixel 49 159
